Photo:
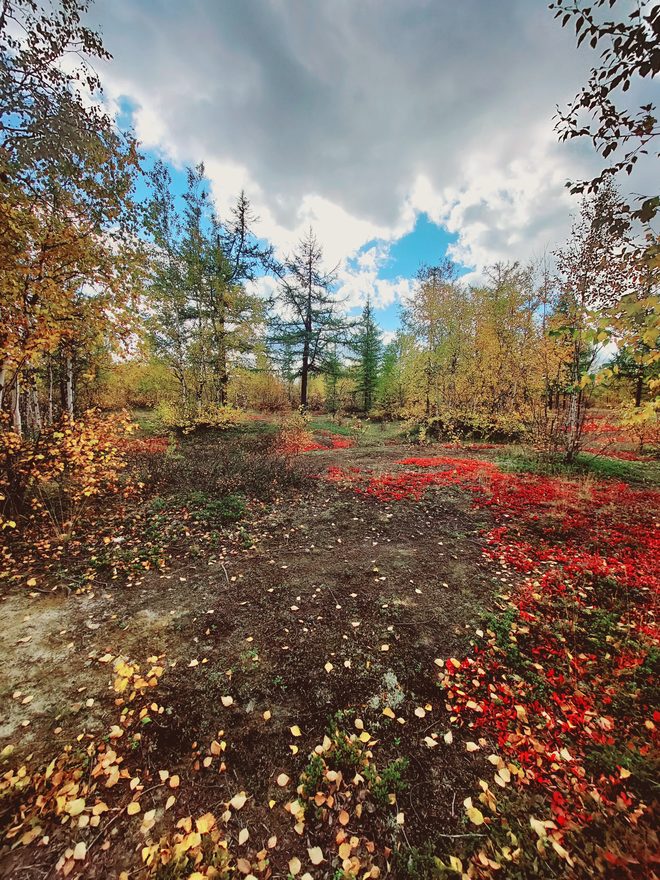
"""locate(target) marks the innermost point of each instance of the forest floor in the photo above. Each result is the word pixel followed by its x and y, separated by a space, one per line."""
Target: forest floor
pixel 347 663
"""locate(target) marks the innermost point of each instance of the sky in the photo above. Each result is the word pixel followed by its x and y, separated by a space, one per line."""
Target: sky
pixel 401 130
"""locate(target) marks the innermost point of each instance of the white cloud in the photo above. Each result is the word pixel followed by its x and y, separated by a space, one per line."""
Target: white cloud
pixel 354 117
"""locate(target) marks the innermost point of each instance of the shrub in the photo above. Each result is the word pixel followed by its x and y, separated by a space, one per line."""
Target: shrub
pixel 210 416
pixel 57 473
pixel 455 425
pixel 294 436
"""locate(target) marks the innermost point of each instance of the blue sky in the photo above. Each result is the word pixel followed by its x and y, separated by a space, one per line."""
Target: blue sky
pixel 426 243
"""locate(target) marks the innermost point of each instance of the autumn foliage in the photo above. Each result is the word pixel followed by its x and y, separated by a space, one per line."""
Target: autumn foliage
pixel 49 479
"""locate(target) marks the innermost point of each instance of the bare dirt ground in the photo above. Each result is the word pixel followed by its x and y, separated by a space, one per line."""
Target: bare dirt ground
pixel 322 602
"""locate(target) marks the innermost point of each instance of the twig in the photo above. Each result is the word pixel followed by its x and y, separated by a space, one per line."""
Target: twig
pixel 468 834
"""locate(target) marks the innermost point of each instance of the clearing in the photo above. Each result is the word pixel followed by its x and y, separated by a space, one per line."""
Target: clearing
pixel 273 674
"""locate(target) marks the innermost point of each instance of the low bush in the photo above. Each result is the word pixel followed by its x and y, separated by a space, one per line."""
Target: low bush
pixel 209 417
pixel 452 425
pixel 52 477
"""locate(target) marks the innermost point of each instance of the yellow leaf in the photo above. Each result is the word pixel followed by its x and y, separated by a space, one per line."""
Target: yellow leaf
pixel 475 816
pixel 133 808
pixel 315 855
pixel 388 712
pixel 75 808
pixel 205 823
pixel 238 801
pixel 295 730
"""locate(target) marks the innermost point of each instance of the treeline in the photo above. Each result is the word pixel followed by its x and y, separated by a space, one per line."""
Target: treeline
pixel 111 301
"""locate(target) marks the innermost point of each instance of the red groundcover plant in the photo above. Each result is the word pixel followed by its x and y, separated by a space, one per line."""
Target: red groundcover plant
pixel 561 686
pixel 296 441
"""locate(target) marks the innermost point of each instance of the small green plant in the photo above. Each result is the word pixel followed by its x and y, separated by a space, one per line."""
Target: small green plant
pixel 228 509
pixel 388 781
pixel 419 864
pixel 312 776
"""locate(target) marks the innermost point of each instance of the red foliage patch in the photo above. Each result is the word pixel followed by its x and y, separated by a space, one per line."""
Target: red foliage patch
pixel 146 445
pixel 562 683
pixel 302 441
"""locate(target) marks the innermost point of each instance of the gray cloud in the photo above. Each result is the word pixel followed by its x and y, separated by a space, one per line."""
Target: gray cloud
pixel 357 101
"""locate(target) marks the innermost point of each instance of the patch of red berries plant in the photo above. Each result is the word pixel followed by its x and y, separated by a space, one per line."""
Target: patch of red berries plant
pixel 561 687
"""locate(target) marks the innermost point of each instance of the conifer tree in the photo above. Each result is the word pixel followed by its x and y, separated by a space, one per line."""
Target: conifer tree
pixel 307 325
pixel 368 347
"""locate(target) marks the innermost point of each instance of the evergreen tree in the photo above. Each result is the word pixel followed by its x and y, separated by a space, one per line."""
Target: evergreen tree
pixel 368 347
pixel 333 372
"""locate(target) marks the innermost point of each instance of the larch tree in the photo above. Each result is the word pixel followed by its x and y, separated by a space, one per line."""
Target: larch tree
pixel 307 324
pixel 201 316
pixel 391 392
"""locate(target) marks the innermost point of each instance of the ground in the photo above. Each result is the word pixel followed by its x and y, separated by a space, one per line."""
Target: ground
pixel 231 663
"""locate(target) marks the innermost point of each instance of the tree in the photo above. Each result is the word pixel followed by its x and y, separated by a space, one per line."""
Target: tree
pixel 69 259
pixel 502 368
pixel 201 315
pixel 333 372
pixel 368 348
pixel 307 324
pixel 594 274
pixel 631 52
pixel 635 325
pixel 391 393
pixel 434 316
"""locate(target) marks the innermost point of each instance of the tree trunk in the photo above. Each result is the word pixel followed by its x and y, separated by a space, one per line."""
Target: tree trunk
pixel 17 421
pixel 68 389
pixel 639 388
pixel 573 425
pixel 304 376
pixel 50 391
